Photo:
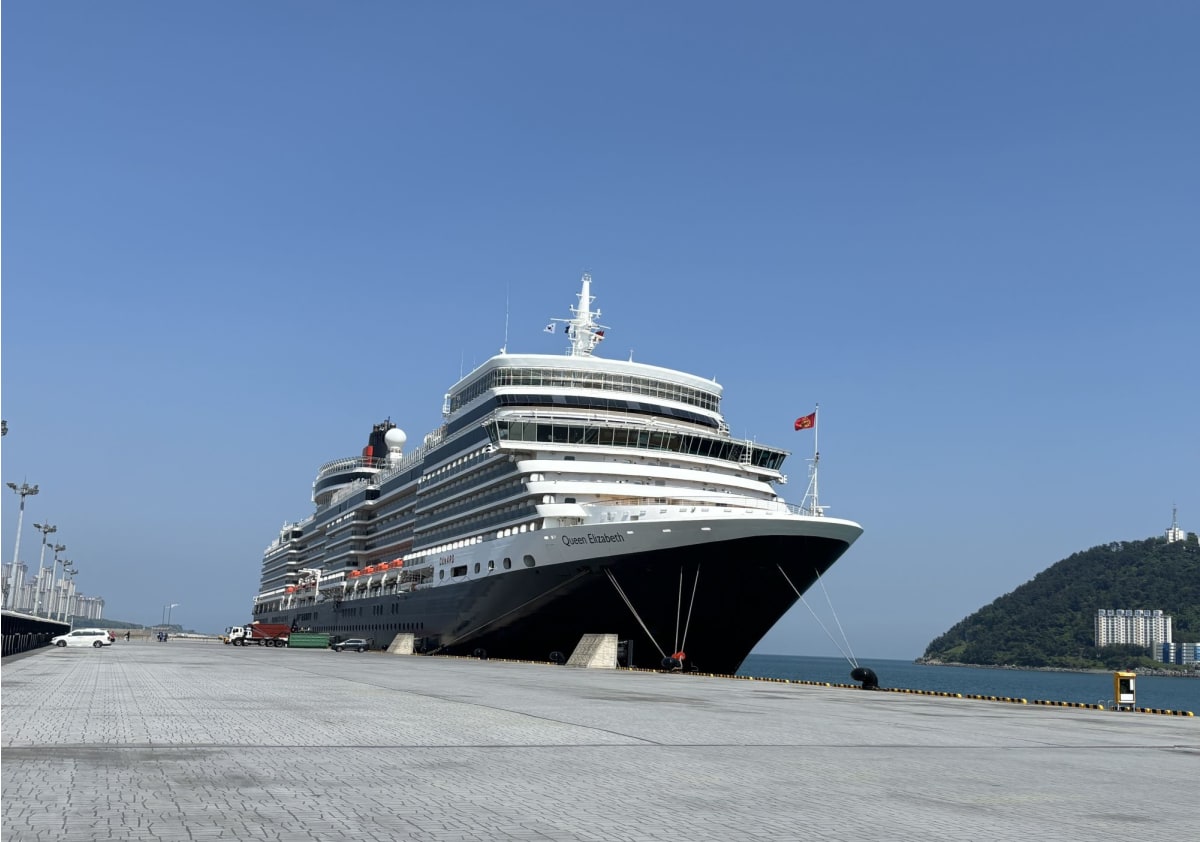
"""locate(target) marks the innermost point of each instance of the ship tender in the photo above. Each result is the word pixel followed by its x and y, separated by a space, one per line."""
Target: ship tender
pixel 562 495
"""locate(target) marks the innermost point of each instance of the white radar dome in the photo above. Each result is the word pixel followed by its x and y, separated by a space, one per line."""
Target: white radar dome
pixel 395 438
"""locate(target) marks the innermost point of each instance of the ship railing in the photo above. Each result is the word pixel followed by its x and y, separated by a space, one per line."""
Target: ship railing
pixel 346 464
pixel 383 464
pixel 806 511
pixel 692 503
pixel 614 416
pixel 387 470
pixel 632 421
pixel 349 490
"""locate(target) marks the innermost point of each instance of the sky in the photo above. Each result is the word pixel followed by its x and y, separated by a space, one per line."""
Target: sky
pixel 236 235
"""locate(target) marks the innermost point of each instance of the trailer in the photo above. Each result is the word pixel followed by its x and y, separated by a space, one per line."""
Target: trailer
pixel 259 634
pixel 308 640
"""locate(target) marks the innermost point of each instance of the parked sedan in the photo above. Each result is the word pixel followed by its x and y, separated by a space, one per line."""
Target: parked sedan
pixel 83 637
pixel 354 644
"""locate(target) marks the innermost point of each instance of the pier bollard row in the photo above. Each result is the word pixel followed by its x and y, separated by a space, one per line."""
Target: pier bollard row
pixel 1013 700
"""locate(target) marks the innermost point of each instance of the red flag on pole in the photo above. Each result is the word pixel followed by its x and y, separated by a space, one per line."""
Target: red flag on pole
pixel 806 422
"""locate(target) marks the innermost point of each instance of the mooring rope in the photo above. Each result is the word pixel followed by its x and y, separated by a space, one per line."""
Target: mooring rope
pixel 848 656
pixel 678 611
pixel 691 604
pixel 841 631
pixel 633 610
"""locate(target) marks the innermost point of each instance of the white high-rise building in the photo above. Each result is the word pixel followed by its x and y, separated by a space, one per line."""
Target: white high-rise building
pixel 1141 627
pixel 56 600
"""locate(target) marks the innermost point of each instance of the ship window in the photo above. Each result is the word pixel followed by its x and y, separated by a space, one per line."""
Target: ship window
pixel 508 564
pixel 491 564
pixel 528 561
pixel 477 567
pixel 568 499
pixel 441 574
pixel 460 570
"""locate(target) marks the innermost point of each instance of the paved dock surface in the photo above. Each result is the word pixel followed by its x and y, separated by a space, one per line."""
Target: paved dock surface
pixel 199 741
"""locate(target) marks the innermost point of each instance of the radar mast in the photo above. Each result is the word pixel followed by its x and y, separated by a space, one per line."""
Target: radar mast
pixel 582 329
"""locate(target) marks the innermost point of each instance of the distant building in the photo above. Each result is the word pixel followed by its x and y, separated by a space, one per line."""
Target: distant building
pixel 1138 626
pixel 47 595
pixel 1179 653
pixel 1175 533
pixel 90 607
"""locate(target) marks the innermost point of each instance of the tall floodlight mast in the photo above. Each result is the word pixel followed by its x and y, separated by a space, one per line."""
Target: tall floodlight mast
pixel 25 490
pixel 45 529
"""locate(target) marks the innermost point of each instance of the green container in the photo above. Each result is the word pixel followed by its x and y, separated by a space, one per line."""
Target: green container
pixel 308 640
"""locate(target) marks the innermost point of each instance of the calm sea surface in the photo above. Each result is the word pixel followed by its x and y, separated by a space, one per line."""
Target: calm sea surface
pixel 1087 688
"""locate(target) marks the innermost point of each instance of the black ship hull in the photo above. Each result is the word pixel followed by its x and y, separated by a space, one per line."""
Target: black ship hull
pixel 715 601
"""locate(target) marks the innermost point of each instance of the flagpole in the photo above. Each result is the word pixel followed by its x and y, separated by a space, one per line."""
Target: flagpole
pixel 816 430
pixel 816 458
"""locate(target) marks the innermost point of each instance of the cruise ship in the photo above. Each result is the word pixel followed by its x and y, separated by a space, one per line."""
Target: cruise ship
pixel 563 495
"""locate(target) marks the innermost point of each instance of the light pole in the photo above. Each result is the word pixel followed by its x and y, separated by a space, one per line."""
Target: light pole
pixel 70 571
pixel 169 607
pixel 53 606
pixel 45 529
pixel 25 490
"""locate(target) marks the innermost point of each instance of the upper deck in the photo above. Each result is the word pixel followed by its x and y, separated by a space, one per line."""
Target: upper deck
pixel 547 373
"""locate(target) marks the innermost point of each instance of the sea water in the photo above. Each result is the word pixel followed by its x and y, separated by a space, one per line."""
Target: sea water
pixel 1153 691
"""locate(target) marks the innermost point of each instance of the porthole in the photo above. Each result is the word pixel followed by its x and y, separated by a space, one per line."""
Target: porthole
pixel 508 564
pixel 477 567
pixel 528 561
pixel 491 564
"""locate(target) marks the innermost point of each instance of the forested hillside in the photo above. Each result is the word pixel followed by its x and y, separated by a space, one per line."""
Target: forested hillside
pixel 1050 620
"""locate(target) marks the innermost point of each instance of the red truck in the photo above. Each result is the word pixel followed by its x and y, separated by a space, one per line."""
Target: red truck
pixel 261 634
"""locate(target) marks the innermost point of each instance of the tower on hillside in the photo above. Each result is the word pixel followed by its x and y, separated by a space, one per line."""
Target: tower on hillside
pixel 1174 533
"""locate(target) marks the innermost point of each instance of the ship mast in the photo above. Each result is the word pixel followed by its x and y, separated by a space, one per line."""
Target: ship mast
pixel 582 329
pixel 811 504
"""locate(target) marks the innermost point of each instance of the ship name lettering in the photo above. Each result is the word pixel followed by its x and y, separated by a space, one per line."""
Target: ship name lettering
pixel 446 559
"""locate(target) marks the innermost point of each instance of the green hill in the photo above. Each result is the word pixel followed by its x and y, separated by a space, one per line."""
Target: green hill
pixel 1050 620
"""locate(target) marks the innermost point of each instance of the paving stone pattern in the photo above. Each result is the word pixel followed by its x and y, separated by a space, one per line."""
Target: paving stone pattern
pixel 199 741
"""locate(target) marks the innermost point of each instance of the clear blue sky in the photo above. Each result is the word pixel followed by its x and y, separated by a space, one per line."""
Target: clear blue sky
pixel 235 235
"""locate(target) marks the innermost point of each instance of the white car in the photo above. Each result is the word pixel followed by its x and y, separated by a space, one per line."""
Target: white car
pixel 83 637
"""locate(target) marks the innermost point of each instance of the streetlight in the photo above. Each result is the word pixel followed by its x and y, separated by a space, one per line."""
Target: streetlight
pixel 167 613
pixel 58 548
pixel 68 570
pixel 25 490
pixel 45 529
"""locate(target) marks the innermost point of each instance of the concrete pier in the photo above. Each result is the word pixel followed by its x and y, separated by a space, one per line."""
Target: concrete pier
pixel 199 741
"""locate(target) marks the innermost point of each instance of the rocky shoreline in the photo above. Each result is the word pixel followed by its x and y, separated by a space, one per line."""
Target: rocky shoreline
pixel 934 662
